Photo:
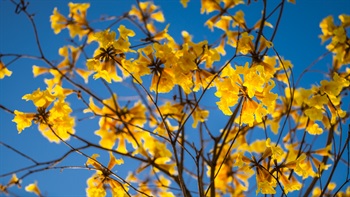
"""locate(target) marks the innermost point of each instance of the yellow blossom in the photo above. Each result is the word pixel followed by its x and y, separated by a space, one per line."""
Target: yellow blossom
pixel 245 43
pixel 40 98
pixel 60 129
pixel 104 75
pixel 316 192
pixel 39 70
pixel 58 21
pixel 125 33
pixel 327 26
pixel 84 74
pixel 14 181
pixel 184 3
pixel 299 165
pixel 202 79
pixel 163 82
pixel 345 20
pixel 147 9
pixel 265 183
pixel 59 124
pixel 223 23
pixel 96 184
pixel 276 152
pixel 23 120
pixel 314 129
pixel 33 188
pixel 289 185
pixel 238 19
pixel 264 44
pixel 4 71
pixel 199 115
pixel 324 151
pixel 314 113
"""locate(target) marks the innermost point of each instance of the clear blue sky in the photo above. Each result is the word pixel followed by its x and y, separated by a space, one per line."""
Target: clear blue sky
pixel 297 40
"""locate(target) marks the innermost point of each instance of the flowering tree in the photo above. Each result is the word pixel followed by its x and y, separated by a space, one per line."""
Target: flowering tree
pixel 146 93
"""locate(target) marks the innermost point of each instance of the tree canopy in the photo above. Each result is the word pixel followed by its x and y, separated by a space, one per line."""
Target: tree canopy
pixel 174 98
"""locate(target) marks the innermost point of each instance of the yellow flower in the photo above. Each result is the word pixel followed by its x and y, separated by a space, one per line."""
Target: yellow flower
pixel 333 88
pixel 58 21
pixel 39 70
pixel 199 115
pixel 162 82
pixel 241 160
pixel 223 23
pixel 289 185
pixel 331 186
pixel 227 90
pixel 104 75
pixel 324 151
pixel 93 108
pixel 58 124
pixel 264 44
pixel 4 71
pixel 78 26
pixel 301 95
pixel 105 70
pixel 327 26
pixel 314 113
pixel 111 128
pixel 40 98
pixel 202 79
pixel 245 43
pixel 60 109
pixel 238 19
pixel 60 127
pixel 276 152
pixel 23 120
pixel 253 79
pixel 345 20
pixel 76 10
pixel 105 38
pixel 147 9
pixel 314 129
pixel 94 189
pixel 209 6
pixel 316 192
pixel 158 16
pixel 184 3
pixel 248 109
pixel 33 188
pixel 84 74
pixel 125 33
pixel 96 183
pixel 14 181
pixel 161 129
pixel 265 183
pixel 300 166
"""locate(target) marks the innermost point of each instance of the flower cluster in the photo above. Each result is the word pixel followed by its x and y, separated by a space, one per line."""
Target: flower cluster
pixel 55 122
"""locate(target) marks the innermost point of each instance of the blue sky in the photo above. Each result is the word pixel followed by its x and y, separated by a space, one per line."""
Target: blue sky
pixel 297 40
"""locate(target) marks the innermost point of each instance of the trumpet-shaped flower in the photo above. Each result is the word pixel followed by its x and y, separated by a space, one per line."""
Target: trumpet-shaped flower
pixel 4 71
pixel 33 187
pixel 245 43
pixel 199 115
pixel 23 120
pixel 40 98
pixel 314 129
